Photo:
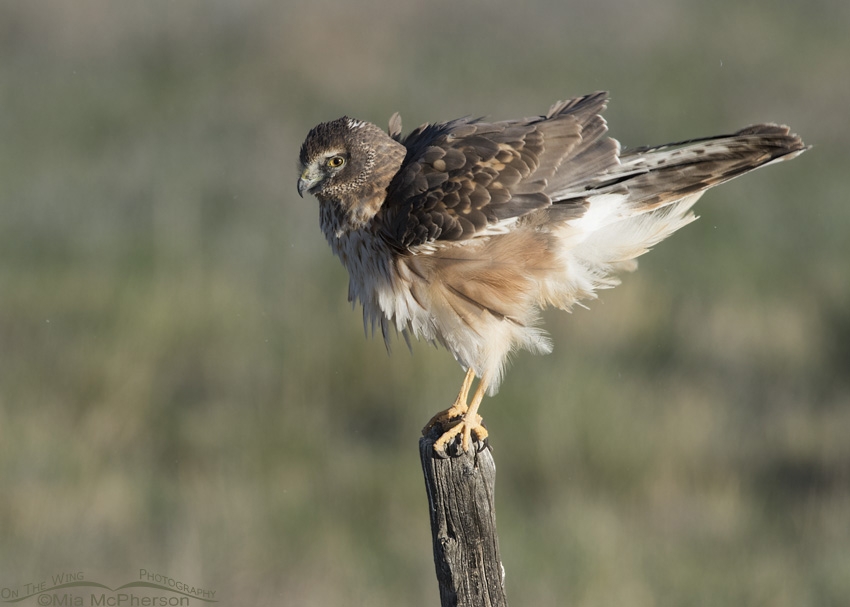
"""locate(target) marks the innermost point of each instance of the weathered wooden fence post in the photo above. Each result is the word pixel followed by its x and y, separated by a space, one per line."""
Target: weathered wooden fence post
pixel 463 526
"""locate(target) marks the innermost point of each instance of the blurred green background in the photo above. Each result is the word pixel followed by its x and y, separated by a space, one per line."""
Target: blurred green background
pixel 184 388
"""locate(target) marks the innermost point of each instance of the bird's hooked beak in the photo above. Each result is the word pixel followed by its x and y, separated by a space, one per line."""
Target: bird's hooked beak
pixel 308 179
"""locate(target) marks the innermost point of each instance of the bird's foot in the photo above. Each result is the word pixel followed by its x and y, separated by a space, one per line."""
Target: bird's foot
pixel 444 418
pixel 465 428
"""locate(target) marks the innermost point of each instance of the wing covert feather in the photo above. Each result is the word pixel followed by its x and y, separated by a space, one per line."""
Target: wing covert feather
pixel 466 178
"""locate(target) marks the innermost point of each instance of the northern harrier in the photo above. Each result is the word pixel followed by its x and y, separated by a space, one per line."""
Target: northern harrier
pixel 462 231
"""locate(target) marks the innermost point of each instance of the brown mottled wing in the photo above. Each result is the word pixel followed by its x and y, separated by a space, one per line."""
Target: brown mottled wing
pixel 463 178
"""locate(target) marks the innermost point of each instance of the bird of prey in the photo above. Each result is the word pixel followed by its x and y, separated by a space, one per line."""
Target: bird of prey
pixel 462 231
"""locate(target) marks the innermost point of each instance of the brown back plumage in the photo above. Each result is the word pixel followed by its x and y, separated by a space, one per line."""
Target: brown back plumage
pixel 463 178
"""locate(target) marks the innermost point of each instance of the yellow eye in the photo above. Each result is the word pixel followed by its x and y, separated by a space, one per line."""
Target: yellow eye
pixel 336 161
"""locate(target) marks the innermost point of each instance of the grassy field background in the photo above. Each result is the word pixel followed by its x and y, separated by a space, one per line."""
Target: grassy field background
pixel 184 388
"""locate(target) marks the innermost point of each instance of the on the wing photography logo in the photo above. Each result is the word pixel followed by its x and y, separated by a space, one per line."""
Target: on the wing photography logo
pixel 73 589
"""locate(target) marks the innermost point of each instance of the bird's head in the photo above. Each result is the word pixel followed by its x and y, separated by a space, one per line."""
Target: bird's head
pixel 351 163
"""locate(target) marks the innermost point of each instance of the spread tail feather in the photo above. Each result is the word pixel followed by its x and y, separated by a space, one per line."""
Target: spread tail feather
pixel 646 197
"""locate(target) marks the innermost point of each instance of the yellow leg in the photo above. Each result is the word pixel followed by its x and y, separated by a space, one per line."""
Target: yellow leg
pixel 457 409
pixel 469 423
